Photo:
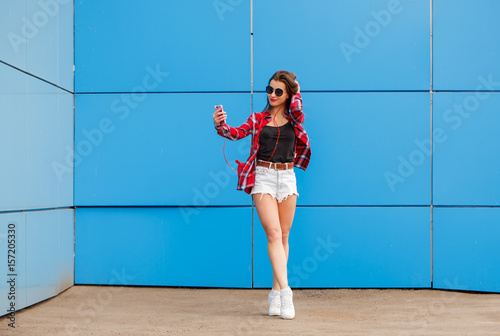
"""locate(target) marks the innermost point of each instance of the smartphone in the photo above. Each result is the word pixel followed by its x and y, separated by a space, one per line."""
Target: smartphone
pixel 218 107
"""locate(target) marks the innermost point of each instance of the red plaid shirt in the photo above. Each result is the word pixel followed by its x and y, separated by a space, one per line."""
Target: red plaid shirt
pixel 246 170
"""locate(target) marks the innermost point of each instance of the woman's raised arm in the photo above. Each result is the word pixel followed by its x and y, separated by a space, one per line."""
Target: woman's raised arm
pixel 232 133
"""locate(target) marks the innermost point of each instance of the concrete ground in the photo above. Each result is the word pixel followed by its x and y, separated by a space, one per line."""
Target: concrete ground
pixel 118 310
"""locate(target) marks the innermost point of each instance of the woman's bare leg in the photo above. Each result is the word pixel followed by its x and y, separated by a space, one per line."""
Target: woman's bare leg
pixel 286 211
pixel 267 209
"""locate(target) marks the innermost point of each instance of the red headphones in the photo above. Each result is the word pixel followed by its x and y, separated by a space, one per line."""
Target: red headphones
pixel 275 146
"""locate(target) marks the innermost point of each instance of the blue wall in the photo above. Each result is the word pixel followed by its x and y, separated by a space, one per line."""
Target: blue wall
pixel 402 189
pixel 144 136
pixel 466 164
pixel 36 146
pixel 390 149
pixel 466 248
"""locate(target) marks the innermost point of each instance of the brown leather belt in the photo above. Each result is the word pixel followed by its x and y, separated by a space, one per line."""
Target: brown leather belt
pixel 274 165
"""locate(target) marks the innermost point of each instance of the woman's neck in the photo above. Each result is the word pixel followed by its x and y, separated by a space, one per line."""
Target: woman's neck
pixel 277 109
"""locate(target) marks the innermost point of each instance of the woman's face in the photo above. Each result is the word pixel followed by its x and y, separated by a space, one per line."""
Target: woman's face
pixel 274 100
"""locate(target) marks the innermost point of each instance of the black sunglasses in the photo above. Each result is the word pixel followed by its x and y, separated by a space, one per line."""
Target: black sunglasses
pixel 279 92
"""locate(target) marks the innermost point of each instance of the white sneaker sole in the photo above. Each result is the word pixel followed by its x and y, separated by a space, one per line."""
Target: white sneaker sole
pixel 288 318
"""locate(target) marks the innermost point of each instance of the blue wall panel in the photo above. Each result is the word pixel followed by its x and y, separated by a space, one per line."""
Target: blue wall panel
pixel 202 47
pixel 65 44
pixel 467 159
pixel 36 125
pixel 42 143
pixel 466 44
pixel 42 54
pixel 367 149
pixel 466 249
pixel 344 45
pixel 164 246
pixel 353 247
pixel 42 255
pixel 19 220
pixel 37 37
pixel 13 42
pixel 163 151
pixel 37 139
pixel 66 248
pixel 63 168
pixel 12 139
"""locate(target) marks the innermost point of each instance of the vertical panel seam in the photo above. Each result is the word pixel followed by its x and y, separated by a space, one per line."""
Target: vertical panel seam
pixel 432 147
pixel 27 129
pixel 58 252
pixel 251 111
pixel 74 103
pixel 26 259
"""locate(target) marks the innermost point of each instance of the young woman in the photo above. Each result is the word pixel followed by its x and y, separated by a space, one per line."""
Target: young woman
pixel 279 143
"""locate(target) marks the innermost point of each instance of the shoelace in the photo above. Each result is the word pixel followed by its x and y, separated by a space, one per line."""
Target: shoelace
pixel 286 299
pixel 275 299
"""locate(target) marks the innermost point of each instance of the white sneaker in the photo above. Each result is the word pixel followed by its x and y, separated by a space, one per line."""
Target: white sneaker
pixel 287 310
pixel 274 302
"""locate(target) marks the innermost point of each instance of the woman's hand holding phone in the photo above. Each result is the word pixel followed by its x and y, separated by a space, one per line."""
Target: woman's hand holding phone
pixel 219 115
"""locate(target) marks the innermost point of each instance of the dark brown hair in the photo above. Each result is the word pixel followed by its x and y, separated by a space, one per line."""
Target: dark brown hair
pixel 288 78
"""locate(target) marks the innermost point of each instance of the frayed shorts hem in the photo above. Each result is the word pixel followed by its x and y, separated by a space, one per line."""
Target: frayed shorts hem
pixel 280 199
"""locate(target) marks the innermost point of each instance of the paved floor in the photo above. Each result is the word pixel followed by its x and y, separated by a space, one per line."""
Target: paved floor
pixel 106 310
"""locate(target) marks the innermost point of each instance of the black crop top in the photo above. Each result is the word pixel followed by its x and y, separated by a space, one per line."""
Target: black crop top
pixel 267 141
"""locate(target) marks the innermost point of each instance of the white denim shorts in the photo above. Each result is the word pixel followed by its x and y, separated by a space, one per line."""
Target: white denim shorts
pixel 279 183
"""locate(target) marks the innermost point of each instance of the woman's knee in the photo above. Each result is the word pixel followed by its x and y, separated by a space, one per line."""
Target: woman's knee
pixel 274 235
pixel 284 237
